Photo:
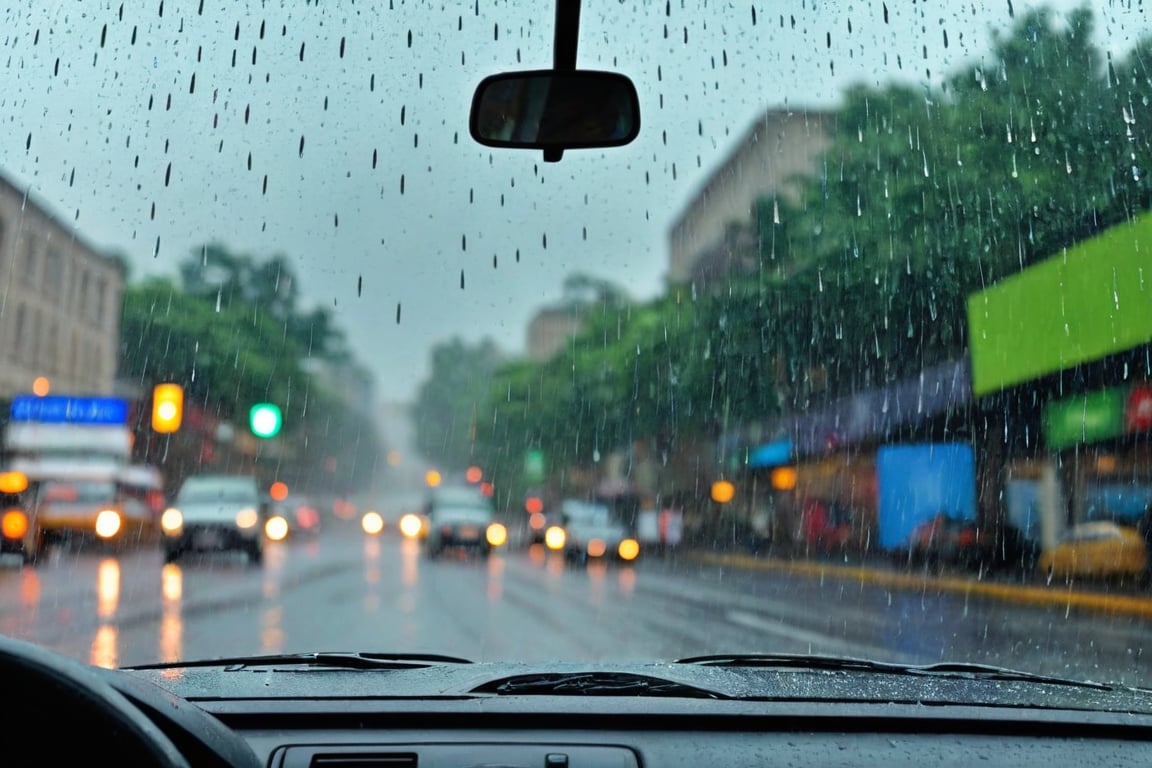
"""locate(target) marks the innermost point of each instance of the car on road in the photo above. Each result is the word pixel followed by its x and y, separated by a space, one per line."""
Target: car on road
pixel 216 513
pixel 1099 549
pixel 593 532
pixel 300 513
pixel 84 512
pixel 461 519
pixel 18 533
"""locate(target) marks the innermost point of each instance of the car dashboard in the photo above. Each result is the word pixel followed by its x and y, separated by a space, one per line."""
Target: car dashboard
pixel 360 718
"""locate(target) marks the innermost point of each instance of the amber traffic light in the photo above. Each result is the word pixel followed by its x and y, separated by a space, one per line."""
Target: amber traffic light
pixel 167 407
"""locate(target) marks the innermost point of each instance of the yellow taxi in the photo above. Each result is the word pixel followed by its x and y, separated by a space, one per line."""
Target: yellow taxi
pixel 92 510
pixel 1099 549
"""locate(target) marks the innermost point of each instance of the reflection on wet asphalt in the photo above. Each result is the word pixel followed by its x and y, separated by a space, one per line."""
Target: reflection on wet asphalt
pixel 348 591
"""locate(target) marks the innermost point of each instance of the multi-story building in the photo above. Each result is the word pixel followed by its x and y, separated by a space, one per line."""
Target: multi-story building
pixel 716 231
pixel 552 329
pixel 60 302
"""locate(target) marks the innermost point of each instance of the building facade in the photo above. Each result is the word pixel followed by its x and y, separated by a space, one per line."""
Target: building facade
pixel 552 329
pixel 60 303
pixel 715 228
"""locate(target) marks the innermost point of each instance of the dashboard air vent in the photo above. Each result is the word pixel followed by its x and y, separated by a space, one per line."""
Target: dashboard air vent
pixel 364 760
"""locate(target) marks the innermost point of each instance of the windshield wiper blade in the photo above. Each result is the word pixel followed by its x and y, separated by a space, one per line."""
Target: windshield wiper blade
pixel 851 664
pixel 594 684
pixel 332 660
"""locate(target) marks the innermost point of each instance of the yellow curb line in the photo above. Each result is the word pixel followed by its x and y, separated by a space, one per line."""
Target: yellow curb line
pixel 1063 598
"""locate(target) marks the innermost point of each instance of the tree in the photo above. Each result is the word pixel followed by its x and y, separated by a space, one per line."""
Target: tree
pixel 933 194
pixel 226 359
pixel 233 335
pixel 447 403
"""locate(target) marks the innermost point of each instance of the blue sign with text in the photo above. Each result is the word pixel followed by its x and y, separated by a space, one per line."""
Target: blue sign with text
pixel 70 410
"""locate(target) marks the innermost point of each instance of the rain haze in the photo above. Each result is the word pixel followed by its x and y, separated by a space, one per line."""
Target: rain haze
pixel 287 160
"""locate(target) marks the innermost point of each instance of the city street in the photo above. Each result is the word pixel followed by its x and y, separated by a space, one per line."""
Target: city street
pixel 346 591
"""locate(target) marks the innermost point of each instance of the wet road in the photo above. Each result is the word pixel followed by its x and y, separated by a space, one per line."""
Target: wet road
pixel 346 591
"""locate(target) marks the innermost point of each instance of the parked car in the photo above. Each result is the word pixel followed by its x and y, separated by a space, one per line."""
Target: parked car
pixel 1100 549
pixel 216 513
pixel 948 540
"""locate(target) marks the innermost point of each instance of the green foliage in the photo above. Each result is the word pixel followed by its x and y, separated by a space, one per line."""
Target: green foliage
pixel 924 196
pixel 446 406
pixel 226 360
pixel 931 195
pixel 232 334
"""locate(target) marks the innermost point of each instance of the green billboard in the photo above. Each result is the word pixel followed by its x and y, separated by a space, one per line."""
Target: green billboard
pixel 1089 301
pixel 1087 418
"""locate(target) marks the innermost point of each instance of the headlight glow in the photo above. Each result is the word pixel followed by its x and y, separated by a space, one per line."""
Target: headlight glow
pixel 107 523
pixel 172 521
pixel 247 518
pixel 372 523
pixel 629 549
pixel 497 535
pixel 276 528
pixel 555 538
pixel 410 525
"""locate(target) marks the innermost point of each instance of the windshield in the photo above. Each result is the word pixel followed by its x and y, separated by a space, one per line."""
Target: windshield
pixel 80 492
pixel 845 342
pixel 211 489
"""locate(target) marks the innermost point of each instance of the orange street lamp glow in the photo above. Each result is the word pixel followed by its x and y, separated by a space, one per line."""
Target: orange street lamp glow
pixel 723 491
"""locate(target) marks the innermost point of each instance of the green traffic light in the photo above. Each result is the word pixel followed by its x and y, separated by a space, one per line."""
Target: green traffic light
pixel 265 419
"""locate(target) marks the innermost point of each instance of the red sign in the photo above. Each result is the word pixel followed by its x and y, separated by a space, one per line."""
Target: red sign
pixel 1138 413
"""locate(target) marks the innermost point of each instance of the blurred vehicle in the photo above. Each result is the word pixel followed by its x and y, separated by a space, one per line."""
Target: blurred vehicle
pixel 826 526
pixel 80 512
pixel 948 540
pixel 300 513
pixel 413 525
pixel 462 519
pixel 18 536
pixel 1097 550
pixel 591 531
pixel 216 513
pixel 538 525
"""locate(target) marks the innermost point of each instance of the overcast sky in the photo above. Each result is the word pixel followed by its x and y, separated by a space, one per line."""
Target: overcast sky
pixel 81 100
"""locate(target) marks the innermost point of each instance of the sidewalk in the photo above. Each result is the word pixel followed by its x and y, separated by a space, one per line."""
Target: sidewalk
pixel 1075 596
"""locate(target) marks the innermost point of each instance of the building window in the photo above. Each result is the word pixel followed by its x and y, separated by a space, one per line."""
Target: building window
pixel 73 364
pixel 28 271
pixel 19 332
pixel 83 300
pixel 99 303
pixel 54 274
pixel 35 350
pixel 52 349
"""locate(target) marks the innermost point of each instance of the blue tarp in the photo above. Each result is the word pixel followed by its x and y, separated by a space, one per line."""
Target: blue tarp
pixel 917 482
pixel 773 454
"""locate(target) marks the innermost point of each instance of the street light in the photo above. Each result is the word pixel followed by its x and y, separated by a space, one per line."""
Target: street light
pixel 723 491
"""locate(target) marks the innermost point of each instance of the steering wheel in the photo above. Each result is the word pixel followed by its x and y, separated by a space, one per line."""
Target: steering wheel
pixel 64 713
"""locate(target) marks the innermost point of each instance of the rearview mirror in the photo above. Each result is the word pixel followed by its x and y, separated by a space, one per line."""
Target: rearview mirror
pixel 555 109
